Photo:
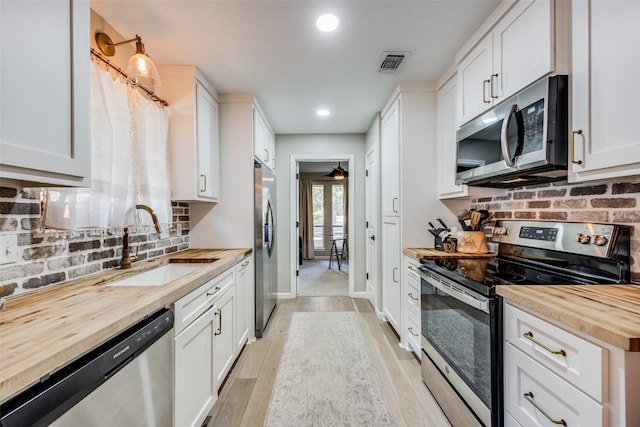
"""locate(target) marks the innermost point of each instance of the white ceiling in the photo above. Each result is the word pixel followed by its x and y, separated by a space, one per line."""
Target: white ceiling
pixel 271 48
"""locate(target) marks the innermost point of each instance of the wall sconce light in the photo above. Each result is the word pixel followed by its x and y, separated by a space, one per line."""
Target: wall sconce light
pixel 141 69
pixel 338 173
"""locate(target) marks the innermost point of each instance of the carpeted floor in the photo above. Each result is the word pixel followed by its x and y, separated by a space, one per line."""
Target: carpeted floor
pixel 326 377
pixel 317 279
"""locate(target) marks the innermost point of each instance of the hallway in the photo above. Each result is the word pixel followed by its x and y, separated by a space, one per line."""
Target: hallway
pixel 245 396
pixel 317 279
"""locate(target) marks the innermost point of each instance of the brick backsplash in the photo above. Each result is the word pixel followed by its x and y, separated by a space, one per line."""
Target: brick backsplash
pixel 617 203
pixel 52 257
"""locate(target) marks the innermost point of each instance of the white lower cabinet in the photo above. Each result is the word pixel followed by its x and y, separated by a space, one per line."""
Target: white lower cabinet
pixel 204 347
pixel 195 390
pixel 391 288
pixel 557 375
pixel 535 396
pixel 244 284
pixel 224 346
pixel 412 305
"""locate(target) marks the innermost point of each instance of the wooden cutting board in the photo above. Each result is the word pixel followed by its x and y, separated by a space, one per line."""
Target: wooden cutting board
pixel 194 256
pixel 431 253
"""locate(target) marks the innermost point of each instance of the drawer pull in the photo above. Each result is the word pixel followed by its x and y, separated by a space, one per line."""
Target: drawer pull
pixel 529 397
pixel 529 336
pixel 215 291
pixel 412 268
pixel 412 297
pixel 219 314
pixel 411 331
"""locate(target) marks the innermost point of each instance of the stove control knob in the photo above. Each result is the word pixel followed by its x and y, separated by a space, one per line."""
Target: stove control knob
pixel 600 240
pixel 583 238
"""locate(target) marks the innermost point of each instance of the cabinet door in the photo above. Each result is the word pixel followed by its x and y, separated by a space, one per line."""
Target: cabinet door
pixel 391 289
pixel 224 346
pixel 195 389
pixel 522 47
pixel 474 81
pixel 390 140
pixel 243 285
pixel 606 142
pixel 207 141
pixel 446 139
pixel 44 106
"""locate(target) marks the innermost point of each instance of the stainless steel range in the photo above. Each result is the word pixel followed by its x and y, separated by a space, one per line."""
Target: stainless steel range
pixel 462 315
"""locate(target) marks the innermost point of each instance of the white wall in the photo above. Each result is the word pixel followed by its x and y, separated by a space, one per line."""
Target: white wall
pixel 292 145
pixel 229 223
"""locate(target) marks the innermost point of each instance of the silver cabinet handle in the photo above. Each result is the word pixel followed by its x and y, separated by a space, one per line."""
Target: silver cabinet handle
pixel 529 397
pixel 412 297
pixel 266 155
pixel 484 91
pixel 412 268
pixel 573 146
pixel 215 291
pixel 529 336
pixel 411 331
pixel 394 202
pixel 219 314
pixel 244 264
pixel 203 181
pixel 395 270
pixel 493 76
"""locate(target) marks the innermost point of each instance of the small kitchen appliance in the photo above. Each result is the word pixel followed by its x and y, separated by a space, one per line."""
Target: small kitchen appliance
pixel 458 299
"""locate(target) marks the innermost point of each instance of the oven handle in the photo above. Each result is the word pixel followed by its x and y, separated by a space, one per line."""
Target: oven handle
pixel 504 136
pixel 481 303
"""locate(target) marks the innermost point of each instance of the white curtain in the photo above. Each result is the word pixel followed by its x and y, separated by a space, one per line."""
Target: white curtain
pixel 125 129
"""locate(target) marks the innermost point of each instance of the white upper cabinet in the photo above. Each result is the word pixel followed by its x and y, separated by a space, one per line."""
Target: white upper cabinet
pixel 193 134
pixel 264 147
pixel 605 140
pixel 521 48
pixel 44 93
pixel 390 160
pixel 446 138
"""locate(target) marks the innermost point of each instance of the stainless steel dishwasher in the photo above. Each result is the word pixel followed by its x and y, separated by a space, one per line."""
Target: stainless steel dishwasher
pixel 126 381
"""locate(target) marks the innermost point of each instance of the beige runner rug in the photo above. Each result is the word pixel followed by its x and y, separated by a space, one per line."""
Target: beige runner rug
pixel 326 377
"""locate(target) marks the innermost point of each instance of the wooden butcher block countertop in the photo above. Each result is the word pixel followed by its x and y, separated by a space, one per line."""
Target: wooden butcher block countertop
pixel 431 253
pixel 610 313
pixel 44 330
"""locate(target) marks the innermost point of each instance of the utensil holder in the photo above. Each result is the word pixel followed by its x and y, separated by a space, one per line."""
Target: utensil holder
pixel 472 242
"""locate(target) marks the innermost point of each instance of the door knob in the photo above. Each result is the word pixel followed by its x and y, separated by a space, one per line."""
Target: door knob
pixel 373 237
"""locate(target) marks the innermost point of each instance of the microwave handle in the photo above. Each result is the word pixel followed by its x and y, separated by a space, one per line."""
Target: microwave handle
pixel 504 135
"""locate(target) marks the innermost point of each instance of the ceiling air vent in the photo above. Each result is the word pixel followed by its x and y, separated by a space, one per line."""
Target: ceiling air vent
pixel 391 61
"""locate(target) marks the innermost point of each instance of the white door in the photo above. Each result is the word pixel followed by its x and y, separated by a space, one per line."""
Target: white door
pixel 391 290
pixel 474 81
pixel 606 143
pixel 208 151
pixel 371 215
pixel 390 159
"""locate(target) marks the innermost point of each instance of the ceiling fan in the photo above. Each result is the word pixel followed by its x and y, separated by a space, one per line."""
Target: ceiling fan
pixel 338 173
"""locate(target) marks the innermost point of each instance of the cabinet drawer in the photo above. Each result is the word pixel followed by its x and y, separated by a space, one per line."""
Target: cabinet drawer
pixel 189 307
pixel 413 334
pixel 531 391
pixel 578 361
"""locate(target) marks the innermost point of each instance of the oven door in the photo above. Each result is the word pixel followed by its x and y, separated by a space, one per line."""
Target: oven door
pixel 462 337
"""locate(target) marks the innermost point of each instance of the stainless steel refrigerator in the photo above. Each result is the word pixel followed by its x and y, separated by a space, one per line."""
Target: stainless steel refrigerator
pixel 265 245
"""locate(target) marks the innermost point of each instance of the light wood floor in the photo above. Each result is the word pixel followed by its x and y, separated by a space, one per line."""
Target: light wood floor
pixel 244 398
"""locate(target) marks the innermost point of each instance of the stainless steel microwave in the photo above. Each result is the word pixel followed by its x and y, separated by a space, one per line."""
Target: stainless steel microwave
pixel 521 141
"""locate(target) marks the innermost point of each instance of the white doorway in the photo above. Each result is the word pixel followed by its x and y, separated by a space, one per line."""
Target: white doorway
pixel 321 258
pixel 371 218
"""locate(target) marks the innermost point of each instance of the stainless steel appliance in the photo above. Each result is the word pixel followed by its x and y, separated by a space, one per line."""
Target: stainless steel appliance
pixel 265 246
pixel 521 141
pixel 462 315
pixel 126 381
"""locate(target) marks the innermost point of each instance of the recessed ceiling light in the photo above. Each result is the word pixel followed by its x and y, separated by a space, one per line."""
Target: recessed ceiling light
pixel 323 113
pixel 327 23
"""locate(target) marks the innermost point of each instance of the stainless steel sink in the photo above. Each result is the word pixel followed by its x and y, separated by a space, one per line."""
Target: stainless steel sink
pixel 158 276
